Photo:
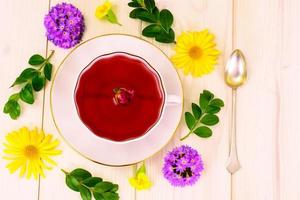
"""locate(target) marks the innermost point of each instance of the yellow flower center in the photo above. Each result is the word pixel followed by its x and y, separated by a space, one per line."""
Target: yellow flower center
pixel 195 52
pixel 31 152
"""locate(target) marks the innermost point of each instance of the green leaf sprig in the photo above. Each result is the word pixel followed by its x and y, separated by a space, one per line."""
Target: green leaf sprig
pixel 82 181
pixel 203 115
pixel 32 79
pixel 160 21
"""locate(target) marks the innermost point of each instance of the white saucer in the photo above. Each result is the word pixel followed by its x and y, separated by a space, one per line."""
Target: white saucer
pixel 78 136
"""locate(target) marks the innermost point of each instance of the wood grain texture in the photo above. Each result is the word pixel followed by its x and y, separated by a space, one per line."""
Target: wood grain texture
pixel 196 16
pixel 267 106
pixel 21 25
pixel 70 159
pixel 259 35
pixel 288 96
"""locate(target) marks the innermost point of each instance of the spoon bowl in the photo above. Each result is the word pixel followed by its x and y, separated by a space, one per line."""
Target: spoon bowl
pixel 235 71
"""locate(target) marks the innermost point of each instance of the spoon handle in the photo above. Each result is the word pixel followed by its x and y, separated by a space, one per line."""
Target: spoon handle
pixel 233 163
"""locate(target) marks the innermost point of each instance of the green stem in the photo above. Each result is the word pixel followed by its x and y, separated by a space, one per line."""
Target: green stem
pixel 194 128
pixel 90 188
pixel 46 60
pixel 186 136
pixel 51 54
pixel 65 172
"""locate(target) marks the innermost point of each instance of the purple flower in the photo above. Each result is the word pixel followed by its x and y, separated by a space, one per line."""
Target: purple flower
pixel 122 96
pixel 183 166
pixel 64 25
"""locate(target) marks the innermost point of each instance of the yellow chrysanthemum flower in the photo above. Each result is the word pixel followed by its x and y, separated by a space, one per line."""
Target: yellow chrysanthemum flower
pixel 30 151
pixel 140 181
pixel 102 10
pixel 196 53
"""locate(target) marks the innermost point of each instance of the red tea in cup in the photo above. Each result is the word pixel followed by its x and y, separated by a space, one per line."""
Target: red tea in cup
pixel 119 97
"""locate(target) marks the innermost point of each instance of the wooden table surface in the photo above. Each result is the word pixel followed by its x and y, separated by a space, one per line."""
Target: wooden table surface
pixel 268 137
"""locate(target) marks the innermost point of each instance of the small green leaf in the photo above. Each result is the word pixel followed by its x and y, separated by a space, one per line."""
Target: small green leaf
pixel 26 94
pixel 19 81
pixel 150 4
pixel 217 102
pixel 166 19
pixel 205 98
pixel 115 188
pixel 210 119
pixel 203 101
pixel 165 37
pixel 72 183
pixel 36 59
pixel 141 2
pixel 92 181
pixel 212 109
pixel 156 13
pixel 48 71
pixel 9 106
pixel 26 75
pixel 134 4
pixel 203 132
pixel 143 14
pixel 190 120
pixel 38 82
pixel 15 113
pixel 110 196
pixel 15 97
pixel 85 193
pixel 111 17
pixel 80 174
pixel 98 196
pixel 151 30
pixel 135 12
pixel 103 187
pixel 196 111
pixel 209 94
pixel 12 108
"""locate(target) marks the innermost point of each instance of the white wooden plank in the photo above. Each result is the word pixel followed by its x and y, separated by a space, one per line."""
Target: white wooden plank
pixel 21 35
pixel 53 187
pixel 215 183
pixel 258 34
pixel 289 97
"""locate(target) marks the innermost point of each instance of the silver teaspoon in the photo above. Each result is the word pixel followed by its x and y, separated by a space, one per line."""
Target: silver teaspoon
pixel 235 76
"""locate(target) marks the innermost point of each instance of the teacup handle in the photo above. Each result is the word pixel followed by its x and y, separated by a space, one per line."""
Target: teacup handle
pixel 173 100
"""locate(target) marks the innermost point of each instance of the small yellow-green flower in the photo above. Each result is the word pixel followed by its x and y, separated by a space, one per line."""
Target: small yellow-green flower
pixel 105 11
pixel 102 10
pixel 141 181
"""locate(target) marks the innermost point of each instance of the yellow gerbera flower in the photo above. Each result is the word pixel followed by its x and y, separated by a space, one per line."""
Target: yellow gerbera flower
pixel 140 181
pixel 30 151
pixel 102 10
pixel 196 53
